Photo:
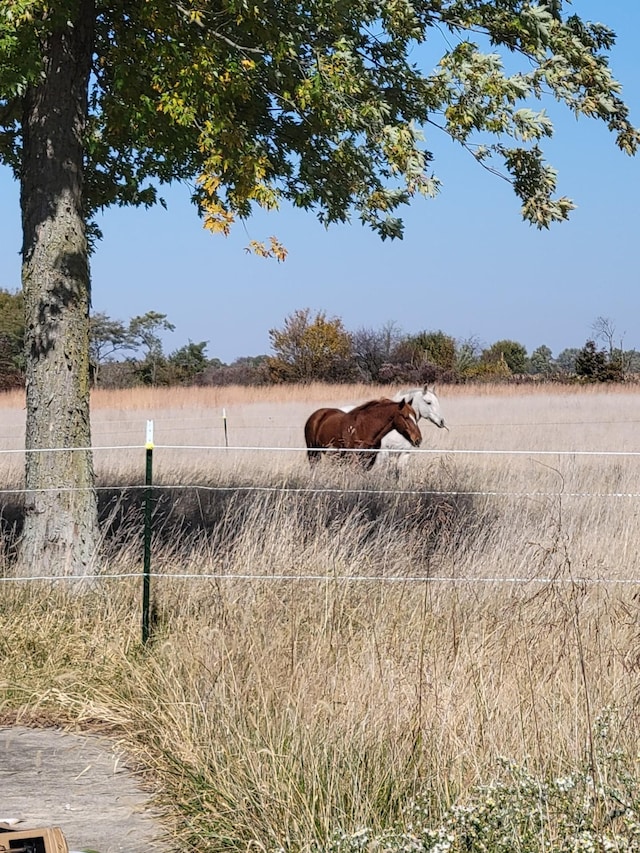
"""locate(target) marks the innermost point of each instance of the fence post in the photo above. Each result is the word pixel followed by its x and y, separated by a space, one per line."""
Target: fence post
pixel 148 493
pixel 224 421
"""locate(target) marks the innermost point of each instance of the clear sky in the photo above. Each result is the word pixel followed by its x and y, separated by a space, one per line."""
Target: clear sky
pixel 468 264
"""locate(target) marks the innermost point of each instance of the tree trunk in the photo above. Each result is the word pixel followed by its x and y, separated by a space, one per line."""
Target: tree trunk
pixel 60 534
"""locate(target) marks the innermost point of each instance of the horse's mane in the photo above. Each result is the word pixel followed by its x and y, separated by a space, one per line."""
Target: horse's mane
pixel 405 395
pixel 363 407
pixel 410 393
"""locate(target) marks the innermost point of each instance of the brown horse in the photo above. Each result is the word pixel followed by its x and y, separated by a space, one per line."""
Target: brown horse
pixel 362 428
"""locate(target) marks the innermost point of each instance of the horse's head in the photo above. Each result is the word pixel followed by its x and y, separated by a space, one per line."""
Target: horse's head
pixel 426 405
pixel 405 422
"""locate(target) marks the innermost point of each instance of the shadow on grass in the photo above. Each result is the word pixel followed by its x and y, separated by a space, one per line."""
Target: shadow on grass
pixel 229 511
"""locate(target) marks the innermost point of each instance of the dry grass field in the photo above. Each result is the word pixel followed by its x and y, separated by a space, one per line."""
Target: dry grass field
pixel 330 647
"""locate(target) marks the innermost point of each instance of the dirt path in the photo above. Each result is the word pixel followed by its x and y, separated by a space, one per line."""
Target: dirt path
pixel 79 783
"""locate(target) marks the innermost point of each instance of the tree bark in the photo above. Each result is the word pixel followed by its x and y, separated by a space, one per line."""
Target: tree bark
pixel 60 535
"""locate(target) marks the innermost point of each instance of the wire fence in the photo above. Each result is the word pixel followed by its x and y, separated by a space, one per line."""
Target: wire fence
pixel 301 450
pixel 149 489
pixel 337 578
pixel 204 424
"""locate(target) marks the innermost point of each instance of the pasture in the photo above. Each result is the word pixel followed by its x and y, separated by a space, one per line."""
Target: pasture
pixel 332 646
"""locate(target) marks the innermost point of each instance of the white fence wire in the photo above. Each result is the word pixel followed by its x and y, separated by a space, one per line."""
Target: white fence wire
pixel 333 579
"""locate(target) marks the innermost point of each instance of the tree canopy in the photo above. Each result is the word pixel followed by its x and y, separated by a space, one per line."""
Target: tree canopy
pixel 322 104
pixel 309 349
pixel 512 353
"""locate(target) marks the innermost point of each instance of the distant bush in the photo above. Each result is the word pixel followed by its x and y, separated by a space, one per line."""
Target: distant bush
pixel 243 371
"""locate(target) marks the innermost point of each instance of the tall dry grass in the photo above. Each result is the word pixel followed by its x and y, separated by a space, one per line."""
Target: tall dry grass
pixel 326 646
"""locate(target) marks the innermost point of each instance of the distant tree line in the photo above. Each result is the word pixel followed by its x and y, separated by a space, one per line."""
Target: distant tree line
pixel 317 348
pixel 310 348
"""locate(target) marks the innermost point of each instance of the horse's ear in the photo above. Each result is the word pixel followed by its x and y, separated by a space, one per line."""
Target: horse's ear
pixel 430 388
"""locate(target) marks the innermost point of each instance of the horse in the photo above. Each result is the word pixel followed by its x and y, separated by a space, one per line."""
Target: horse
pixel 425 404
pixel 362 428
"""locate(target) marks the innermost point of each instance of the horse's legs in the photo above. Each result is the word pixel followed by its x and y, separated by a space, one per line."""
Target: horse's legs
pixel 313 456
pixel 368 460
pixel 403 462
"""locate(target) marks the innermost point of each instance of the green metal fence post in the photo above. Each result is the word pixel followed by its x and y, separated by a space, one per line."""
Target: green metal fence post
pixel 148 494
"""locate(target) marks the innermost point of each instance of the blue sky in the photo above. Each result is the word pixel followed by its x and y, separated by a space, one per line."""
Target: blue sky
pixel 468 264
